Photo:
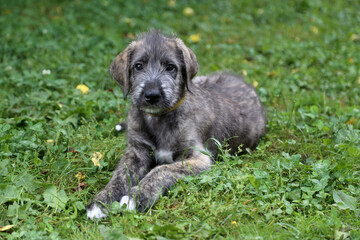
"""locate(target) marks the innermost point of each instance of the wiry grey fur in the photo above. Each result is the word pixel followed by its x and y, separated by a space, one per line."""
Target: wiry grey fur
pixel 164 148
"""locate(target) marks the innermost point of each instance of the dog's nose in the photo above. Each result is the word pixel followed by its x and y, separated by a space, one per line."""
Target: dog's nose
pixel 152 96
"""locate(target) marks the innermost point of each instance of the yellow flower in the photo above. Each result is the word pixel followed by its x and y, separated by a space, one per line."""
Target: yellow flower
pixel 80 176
pixel 244 72
pixel 295 70
pixel 351 60
pixel 83 88
pixel 352 121
pixel 271 74
pixel 188 11
pixel 128 20
pixel 255 83
pixel 260 11
pixel 234 223
pixel 172 3
pixel 5 228
pixel 96 157
pixel 50 141
pixel 195 38
pixel 6 11
pixel 314 29
pixel 354 37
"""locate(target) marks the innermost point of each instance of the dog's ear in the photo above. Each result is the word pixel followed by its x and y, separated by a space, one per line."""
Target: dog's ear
pixel 190 60
pixel 120 69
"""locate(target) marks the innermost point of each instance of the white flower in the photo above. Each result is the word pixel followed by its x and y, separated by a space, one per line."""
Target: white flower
pixel 118 127
pixel 46 72
pixel 44 31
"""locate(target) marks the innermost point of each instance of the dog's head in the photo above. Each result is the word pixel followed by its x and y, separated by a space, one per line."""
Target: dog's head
pixel 154 70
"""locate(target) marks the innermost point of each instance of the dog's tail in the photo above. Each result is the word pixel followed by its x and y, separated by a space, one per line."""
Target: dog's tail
pixel 120 127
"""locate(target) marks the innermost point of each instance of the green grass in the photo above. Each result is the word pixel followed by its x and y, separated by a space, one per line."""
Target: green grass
pixel 301 183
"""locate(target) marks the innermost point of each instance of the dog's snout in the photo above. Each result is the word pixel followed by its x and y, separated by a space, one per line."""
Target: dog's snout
pixel 152 96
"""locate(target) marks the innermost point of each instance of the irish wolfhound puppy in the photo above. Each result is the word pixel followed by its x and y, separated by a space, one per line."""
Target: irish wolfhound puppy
pixel 171 118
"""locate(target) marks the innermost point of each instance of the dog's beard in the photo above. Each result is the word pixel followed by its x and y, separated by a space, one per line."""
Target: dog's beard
pixel 152 110
pixel 157 108
pixel 170 97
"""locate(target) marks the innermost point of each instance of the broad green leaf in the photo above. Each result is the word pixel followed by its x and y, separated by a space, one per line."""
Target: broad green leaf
pixel 3 167
pixel 344 201
pixel 206 179
pixel 354 152
pixel 288 206
pixel 80 205
pixel 55 198
pixel 9 193
pixel 327 141
pixel 17 211
pixel 26 180
pixel 255 182
pixel 339 235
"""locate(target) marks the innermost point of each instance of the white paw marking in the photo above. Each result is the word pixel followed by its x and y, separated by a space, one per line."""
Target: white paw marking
pixel 130 204
pixel 95 212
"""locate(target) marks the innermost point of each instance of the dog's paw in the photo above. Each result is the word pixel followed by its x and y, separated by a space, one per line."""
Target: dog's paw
pixel 95 212
pixel 130 203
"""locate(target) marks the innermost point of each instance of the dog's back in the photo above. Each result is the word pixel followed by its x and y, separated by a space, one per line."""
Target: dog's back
pixel 237 106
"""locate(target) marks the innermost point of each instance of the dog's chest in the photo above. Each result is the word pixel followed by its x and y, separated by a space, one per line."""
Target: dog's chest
pixel 167 138
pixel 163 156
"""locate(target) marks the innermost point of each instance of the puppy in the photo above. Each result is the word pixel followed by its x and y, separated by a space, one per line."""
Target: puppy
pixel 173 115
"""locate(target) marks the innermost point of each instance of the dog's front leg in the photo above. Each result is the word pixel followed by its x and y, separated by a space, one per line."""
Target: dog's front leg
pixel 133 166
pixel 162 177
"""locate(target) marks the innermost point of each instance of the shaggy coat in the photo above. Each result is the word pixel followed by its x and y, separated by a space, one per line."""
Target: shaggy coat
pixel 173 120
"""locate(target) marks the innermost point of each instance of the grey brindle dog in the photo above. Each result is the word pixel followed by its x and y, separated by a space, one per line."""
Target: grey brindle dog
pixel 171 119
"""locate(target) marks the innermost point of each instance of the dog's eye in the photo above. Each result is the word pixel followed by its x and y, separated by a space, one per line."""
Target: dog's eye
pixel 139 66
pixel 170 68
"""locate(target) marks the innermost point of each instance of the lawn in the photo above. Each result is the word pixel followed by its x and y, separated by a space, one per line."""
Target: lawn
pixel 302 182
